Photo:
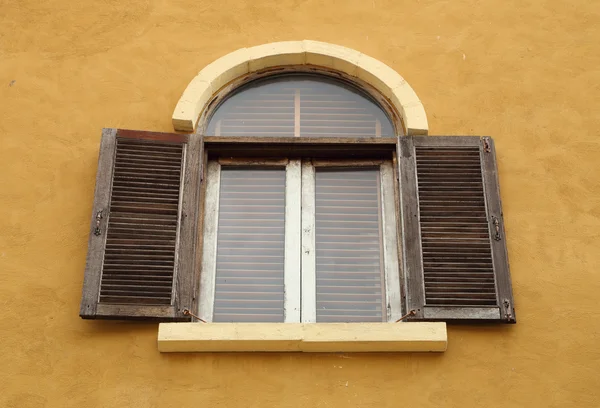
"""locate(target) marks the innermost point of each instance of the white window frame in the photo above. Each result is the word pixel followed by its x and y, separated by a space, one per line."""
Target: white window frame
pixel 299 249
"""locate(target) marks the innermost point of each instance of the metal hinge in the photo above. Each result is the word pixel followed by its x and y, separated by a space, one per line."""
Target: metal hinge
pixel 97 230
pixel 507 310
pixel 487 146
pixel 496 224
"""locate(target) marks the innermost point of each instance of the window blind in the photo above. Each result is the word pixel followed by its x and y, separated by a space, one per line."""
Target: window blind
pixel 299 105
pixel 249 283
pixel 349 273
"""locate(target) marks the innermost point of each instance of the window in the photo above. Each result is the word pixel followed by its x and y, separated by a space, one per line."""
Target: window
pixel 299 105
pixel 296 206
pixel 299 241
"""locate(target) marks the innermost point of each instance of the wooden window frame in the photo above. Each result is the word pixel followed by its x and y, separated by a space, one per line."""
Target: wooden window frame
pixel 292 233
pixel 388 210
pixel 345 152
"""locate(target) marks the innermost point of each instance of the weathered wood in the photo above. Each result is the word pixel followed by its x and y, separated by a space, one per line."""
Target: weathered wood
pixel 309 259
pixel 209 251
pixel 445 141
pixel 399 233
pixel 155 187
pixel 96 243
pixel 390 244
pixel 257 161
pixel 203 170
pixel 347 163
pixel 188 226
pixel 293 235
pixel 297 147
pixel 449 247
pixel 139 312
pixel 462 313
pixel 499 249
pixel 411 254
pixel 155 136
pixel 300 140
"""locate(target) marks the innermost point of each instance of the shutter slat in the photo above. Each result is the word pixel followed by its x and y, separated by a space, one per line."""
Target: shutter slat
pixel 451 257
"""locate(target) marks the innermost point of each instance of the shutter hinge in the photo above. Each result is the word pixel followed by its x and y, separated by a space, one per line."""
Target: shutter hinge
pixel 487 147
pixel 507 310
pixel 496 223
pixel 97 230
pixel 186 312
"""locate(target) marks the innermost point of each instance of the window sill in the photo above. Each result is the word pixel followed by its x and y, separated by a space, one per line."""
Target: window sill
pixel 305 337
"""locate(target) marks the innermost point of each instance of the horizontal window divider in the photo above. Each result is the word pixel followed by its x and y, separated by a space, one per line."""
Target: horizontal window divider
pixel 210 140
pixel 256 148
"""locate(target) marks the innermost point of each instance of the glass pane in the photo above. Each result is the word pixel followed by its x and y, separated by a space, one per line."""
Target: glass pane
pixel 299 105
pixel 350 283
pixel 250 246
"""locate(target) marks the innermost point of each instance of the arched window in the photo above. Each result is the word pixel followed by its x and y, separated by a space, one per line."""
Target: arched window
pixel 315 212
pixel 299 105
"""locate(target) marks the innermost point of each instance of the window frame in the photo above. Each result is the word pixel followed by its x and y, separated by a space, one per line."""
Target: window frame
pixel 369 90
pixel 300 249
pixel 390 238
pixel 292 284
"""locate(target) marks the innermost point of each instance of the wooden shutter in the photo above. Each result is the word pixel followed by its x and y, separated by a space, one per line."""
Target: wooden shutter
pixel 140 262
pixel 455 260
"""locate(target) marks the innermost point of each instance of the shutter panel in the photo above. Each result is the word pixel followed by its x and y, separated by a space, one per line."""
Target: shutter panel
pixel 454 244
pixel 140 262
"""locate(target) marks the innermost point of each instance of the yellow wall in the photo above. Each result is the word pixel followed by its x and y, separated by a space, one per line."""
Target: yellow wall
pixel 526 73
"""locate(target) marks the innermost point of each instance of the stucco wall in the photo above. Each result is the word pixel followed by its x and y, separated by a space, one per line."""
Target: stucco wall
pixel 526 73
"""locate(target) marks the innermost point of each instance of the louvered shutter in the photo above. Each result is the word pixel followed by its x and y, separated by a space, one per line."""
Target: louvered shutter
pixel 455 258
pixel 140 262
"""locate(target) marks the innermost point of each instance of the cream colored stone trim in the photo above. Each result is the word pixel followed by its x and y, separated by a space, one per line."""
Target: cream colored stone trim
pixel 247 60
pixel 307 337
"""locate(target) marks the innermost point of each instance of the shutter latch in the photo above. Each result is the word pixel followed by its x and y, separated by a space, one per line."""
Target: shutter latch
pixel 97 230
pixel 496 228
pixel 487 147
pixel 507 310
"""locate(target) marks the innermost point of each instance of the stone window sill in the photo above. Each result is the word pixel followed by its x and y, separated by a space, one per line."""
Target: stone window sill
pixel 304 337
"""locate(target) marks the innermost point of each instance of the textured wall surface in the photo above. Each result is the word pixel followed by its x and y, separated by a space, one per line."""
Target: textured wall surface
pixel 526 73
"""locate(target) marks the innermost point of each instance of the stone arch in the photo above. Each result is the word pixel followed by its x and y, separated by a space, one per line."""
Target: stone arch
pixel 352 63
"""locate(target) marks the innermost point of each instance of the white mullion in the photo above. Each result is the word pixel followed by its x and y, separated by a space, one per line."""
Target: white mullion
pixel 390 244
pixel 309 278
pixel 293 227
pixel 209 251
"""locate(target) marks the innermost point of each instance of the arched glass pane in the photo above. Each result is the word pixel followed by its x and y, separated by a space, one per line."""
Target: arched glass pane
pixel 299 105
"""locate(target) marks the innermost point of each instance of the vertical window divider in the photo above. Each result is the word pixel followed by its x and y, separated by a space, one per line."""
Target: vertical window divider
pixel 309 278
pixel 293 238
pixel 297 113
pixel 390 244
pixel 209 252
